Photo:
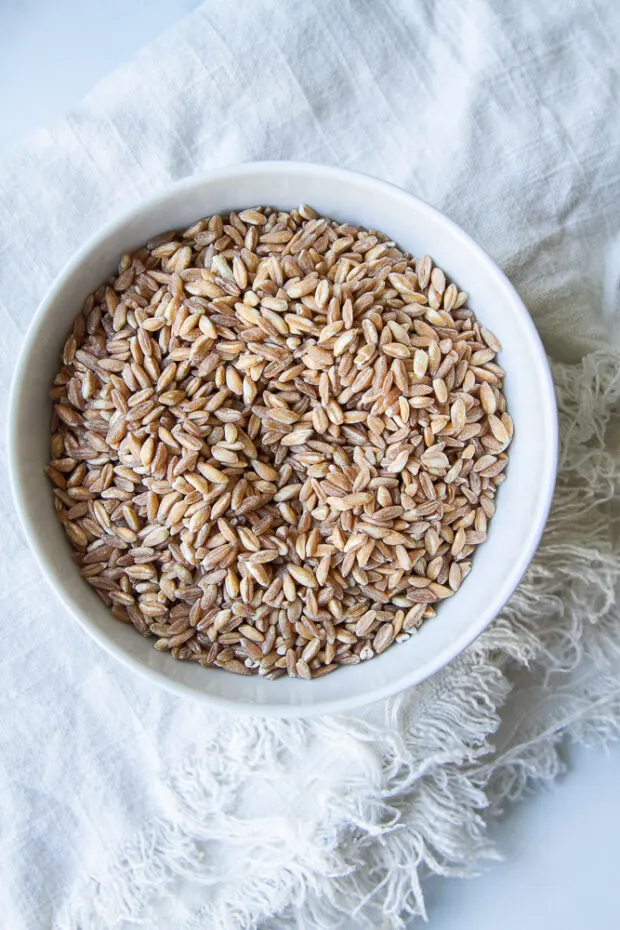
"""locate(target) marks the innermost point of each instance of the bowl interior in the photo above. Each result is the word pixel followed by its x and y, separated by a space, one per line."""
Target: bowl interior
pixel 522 501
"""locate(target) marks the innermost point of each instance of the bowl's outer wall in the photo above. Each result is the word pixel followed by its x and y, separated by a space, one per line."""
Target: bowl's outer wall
pixel 523 500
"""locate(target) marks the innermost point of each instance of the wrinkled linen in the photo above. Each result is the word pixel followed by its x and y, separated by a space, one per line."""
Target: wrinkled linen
pixel 122 806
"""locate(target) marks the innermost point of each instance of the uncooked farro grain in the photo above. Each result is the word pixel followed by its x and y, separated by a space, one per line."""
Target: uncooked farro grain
pixel 276 441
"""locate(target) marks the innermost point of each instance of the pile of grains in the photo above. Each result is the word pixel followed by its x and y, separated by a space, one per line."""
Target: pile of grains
pixel 276 442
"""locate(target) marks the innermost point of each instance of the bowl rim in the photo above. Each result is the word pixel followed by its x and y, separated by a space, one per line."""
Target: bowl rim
pixel 545 486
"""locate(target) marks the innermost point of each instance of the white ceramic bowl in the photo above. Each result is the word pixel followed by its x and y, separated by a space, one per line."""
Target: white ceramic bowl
pixel 523 501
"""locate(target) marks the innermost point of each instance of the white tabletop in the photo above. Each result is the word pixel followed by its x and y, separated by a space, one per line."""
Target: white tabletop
pixel 562 845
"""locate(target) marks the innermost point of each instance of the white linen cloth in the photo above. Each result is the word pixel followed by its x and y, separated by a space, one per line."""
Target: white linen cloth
pixel 122 806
